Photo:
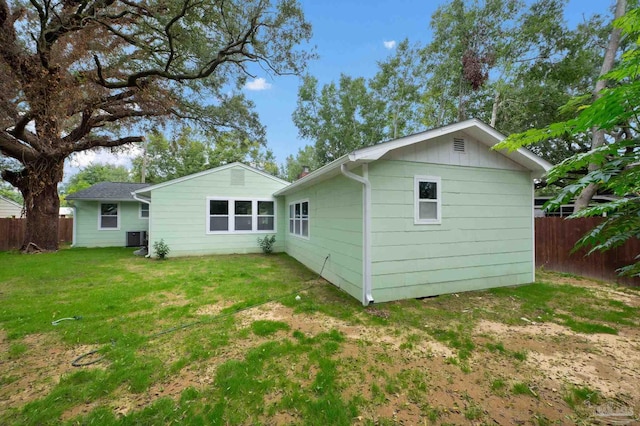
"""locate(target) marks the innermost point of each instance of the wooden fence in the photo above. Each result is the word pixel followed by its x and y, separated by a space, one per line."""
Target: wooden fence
pixel 555 238
pixel 12 232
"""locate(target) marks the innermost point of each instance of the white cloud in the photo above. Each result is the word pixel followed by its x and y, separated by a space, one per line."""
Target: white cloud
pixel 257 84
pixel 389 44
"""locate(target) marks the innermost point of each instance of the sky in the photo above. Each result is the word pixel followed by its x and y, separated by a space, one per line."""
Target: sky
pixel 350 37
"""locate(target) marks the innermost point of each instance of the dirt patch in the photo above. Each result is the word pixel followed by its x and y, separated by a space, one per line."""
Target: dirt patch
pixel 36 371
pixel 603 362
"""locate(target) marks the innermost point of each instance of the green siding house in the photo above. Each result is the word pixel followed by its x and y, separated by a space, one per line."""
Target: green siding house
pixel 432 213
pixel 106 215
pixel 222 210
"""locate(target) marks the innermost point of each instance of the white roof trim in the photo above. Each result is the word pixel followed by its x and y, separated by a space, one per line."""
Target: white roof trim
pixel 377 151
pixel 302 182
pixel 521 156
pixel 206 172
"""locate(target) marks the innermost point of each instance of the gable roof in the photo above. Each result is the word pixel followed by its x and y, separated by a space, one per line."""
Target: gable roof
pixel 206 172
pixel 474 127
pixel 108 191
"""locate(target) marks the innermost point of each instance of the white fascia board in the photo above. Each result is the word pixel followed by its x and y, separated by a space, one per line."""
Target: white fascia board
pixel 206 172
pixel 314 176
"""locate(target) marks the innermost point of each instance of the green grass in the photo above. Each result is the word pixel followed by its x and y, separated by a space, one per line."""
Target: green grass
pixel 153 320
pixel 577 397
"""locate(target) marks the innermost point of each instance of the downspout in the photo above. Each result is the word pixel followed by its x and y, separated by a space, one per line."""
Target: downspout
pixel 142 200
pixel 75 226
pixel 367 296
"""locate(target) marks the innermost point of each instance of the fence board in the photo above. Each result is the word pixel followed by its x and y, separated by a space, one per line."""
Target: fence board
pixel 12 232
pixel 555 238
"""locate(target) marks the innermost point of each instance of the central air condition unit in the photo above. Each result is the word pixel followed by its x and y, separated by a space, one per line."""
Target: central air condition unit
pixel 136 238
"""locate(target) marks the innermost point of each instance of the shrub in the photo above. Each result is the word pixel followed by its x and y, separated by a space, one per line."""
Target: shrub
pixel 266 243
pixel 161 248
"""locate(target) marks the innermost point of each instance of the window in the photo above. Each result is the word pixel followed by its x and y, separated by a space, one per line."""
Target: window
pixel 230 215
pixel 109 218
pixel 266 216
pixel 299 218
pixel 144 211
pixel 427 195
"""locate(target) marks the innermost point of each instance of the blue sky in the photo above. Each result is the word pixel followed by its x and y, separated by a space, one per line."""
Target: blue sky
pixel 349 36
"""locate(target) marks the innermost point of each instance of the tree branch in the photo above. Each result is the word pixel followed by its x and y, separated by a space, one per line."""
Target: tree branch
pixel 104 142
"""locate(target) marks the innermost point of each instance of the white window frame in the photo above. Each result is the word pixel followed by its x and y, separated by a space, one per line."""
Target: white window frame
pixel 301 219
pixel 140 211
pixel 254 216
pixel 416 200
pixel 100 228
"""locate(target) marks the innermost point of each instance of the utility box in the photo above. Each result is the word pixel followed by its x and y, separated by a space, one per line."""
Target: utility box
pixel 136 238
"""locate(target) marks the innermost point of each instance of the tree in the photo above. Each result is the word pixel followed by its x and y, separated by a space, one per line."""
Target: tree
pixel 165 159
pixel 339 119
pixel 617 161
pixel 188 152
pixel 469 39
pixel 523 67
pixel 78 75
pixel 293 165
pixel 597 140
pixel 398 87
pixel 95 173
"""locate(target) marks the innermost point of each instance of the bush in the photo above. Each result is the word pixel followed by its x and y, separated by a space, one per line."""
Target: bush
pixel 266 243
pixel 161 248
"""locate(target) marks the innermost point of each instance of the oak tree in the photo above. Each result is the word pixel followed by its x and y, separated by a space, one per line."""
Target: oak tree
pixel 78 75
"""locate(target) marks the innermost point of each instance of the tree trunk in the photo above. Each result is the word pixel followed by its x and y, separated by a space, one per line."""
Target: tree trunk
pixel 494 109
pixel 598 135
pixel 38 183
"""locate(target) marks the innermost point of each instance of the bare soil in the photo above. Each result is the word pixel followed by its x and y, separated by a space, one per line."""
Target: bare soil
pixel 556 359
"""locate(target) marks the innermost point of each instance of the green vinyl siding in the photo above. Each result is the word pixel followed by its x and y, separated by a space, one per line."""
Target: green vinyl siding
pixel 335 230
pixel 87 224
pixel 179 212
pixel 485 238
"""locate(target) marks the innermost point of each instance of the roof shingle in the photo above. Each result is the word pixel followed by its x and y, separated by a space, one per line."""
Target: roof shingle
pixel 120 191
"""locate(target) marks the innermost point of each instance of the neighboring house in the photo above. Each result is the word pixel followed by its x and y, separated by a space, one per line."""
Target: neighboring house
pixel 432 213
pixel 106 214
pixel 66 212
pixel 9 208
pixel 566 209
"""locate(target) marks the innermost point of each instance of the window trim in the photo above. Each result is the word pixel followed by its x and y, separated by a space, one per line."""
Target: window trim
pixel 100 228
pixel 289 219
pixel 140 211
pixel 232 210
pixel 416 200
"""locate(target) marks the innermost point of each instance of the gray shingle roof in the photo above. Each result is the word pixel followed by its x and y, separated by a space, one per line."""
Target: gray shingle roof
pixel 108 191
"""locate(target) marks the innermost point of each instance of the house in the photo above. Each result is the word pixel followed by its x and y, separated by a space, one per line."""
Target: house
pixel 221 210
pixel 9 208
pixel 106 214
pixel 566 209
pixel 431 213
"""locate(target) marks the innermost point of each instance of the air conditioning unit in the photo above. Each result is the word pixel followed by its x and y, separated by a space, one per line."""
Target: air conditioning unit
pixel 136 238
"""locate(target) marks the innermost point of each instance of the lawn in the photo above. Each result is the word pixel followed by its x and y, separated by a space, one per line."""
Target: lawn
pixel 254 339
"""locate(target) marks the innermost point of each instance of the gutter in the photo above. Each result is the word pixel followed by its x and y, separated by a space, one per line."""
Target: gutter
pixel 146 201
pixel 367 296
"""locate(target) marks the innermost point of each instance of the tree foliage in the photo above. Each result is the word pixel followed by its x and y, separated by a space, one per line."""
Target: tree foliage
pixel 338 118
pixel 618 160
pixel 77 75
pixel 187 152
pixel 95 173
